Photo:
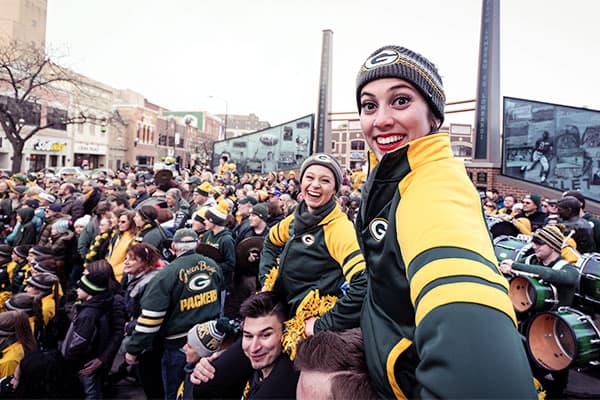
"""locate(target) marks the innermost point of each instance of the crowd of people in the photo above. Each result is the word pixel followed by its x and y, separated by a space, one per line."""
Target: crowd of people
pixel 314 283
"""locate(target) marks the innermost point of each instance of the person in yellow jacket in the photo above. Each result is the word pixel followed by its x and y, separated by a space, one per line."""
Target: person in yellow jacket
pixel 46 286
pixel 31 306
pixel 16 340
pixel 119 243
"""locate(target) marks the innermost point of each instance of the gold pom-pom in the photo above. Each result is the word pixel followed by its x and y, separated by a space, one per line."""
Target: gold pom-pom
pixel 313 305
pixel 270 279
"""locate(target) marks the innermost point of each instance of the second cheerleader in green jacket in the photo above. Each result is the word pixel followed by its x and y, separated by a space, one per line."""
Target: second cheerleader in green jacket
pixel 318 250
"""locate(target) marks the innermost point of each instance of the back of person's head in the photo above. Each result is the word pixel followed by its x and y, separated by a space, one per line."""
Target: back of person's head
pixel 120 199
pixel 16 324
pixel 44 264
pixel 148 254
pixel 164 215
pixel 29 305
pixel 263 304
pixel 332 365
pixel 578 195
pixel 45 282
pixel 102 207
pixel 569 206
pixel 184 240
pixel 332 351
pixel 148 213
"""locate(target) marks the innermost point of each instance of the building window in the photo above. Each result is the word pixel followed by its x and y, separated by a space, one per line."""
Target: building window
pixel 357 145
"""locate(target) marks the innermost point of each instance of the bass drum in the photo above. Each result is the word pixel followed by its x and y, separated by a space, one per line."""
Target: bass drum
pixel 528 294
pixel 589 279
pixel 509 247
pixel 561 339
pixel 499 227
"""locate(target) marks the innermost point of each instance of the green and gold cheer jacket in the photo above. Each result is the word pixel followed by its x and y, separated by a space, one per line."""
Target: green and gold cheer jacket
pixel 437 320
pixel 326 257
pixel 182 294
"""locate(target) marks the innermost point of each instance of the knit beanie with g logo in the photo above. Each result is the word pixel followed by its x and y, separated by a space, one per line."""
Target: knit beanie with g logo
pixel 399 62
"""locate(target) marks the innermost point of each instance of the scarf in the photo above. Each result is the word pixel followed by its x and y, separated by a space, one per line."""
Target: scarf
pixel 305 219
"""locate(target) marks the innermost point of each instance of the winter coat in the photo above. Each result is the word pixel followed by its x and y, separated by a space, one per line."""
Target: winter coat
pixel 26 233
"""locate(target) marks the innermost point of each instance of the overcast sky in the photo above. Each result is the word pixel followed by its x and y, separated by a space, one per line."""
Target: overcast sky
pixel 263 56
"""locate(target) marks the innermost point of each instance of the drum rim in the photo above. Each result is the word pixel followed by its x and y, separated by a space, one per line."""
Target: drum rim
pixel 533 302
pixel 555 315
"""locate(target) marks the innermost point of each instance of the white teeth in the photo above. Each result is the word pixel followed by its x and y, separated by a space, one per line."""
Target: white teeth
pixel 313 193
pixel 389 139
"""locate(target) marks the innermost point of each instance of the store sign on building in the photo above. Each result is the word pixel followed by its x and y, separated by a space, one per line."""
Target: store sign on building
pixel 356 156
pixel 90 148
pixel 47 145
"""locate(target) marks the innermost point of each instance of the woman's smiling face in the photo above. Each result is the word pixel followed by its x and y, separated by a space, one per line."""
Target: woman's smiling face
pixel 393 113
pixel 318 186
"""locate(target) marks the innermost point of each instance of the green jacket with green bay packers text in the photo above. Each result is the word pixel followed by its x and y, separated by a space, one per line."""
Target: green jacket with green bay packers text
pixel 326 257
pixel 182 294
pixel 437 320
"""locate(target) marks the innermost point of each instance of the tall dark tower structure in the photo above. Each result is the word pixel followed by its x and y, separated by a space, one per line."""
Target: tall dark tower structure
pixel 323 131
pixel 487 122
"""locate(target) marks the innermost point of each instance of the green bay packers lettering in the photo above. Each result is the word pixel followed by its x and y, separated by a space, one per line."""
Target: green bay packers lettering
pixel 184 274
pixel 198 300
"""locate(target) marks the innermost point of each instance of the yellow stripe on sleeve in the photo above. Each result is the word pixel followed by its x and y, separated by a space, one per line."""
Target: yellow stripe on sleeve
pixel 460 266
pixel 464 292
pixel 360 267
pixel 351 264
pixel 149 321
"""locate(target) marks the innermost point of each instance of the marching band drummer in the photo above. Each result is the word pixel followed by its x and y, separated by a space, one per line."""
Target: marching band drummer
pixel 549 265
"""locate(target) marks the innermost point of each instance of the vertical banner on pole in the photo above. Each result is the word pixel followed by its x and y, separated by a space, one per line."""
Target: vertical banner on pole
pixel 323 142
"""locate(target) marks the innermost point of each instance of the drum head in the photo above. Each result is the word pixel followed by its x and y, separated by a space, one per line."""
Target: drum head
pixel 521 293
pixel 589 281
pixel 504 228
pixel 552 342
pixel 508 247
pixel 209 251
pixel 249 245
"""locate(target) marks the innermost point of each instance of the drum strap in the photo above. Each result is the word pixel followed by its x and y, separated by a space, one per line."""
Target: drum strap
pixel 559 265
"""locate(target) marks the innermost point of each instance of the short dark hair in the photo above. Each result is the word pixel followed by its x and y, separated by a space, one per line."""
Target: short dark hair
pixel 102 207
pixel 340 354
pixel 121 199
pixel 263 304
pixel 577 195
pixel 344 352
pixel 148 213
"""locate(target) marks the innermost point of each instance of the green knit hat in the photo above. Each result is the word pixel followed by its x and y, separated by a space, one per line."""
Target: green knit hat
pixel 537 200
pixel 399 62
pixel 93 283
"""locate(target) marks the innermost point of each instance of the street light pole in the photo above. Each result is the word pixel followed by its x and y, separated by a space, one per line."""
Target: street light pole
pixel 226 113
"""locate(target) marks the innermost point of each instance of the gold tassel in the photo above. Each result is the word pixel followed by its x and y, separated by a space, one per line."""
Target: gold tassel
pixel 270 279
pixel 313 305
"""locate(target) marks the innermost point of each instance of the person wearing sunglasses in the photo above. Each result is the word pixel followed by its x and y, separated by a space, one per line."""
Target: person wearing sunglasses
pixel 531 217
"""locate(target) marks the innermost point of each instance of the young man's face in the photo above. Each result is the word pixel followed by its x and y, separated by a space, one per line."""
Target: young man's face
pixel 261 341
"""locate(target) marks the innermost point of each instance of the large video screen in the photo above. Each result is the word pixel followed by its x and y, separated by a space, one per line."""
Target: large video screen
pixel 278 148
pixel 552 145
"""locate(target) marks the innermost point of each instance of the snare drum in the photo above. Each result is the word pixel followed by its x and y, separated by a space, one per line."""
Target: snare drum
pixel 589 280
pixel 560 339
pixel 508 247
pixel 499 227
pixel 528 294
